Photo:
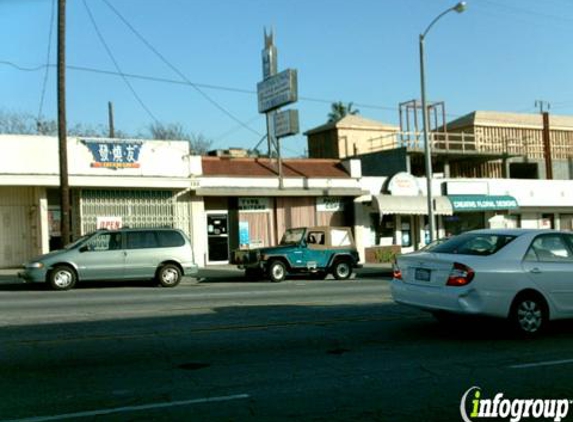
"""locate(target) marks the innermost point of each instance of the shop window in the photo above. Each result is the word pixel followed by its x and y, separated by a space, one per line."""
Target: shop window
pixel 566 221
pixel 547 221
pixel 384 229
pixel 406 235
pixel 463 222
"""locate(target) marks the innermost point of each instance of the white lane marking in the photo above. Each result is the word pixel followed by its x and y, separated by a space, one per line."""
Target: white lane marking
pixel 129 409
pixel 547 363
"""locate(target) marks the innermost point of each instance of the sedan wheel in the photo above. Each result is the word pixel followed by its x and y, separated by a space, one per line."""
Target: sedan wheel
pixel 529 315
pixel 169 275
pixel 62 278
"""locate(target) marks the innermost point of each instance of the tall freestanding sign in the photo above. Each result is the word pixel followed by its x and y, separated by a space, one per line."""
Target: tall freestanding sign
pixel 274 91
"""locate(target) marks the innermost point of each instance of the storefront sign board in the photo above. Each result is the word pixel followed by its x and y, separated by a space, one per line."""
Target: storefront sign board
pixel 277 90
pixel 114 153
pixel 253 204
pixel 403 184
pixel 482 202
pixel 329 204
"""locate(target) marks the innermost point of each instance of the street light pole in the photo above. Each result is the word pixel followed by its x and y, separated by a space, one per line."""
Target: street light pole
pixel 460 7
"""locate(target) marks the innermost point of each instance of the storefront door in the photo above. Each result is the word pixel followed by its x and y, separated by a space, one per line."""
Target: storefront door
pixel 217 238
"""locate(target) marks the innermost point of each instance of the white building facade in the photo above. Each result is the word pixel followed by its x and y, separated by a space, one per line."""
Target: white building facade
pixel 132 182
pixel 399 216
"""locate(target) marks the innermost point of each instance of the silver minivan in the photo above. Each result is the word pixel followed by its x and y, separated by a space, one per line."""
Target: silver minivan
pixel 125 254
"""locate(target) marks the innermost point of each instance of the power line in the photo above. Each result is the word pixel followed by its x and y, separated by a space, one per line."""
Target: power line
pixel 528 11
pixel 115 63
pixel 234 129
pixel 177 71
pixel 45 82
pixel 196 84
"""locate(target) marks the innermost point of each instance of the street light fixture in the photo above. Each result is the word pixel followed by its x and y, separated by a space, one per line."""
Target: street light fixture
pixel 460 7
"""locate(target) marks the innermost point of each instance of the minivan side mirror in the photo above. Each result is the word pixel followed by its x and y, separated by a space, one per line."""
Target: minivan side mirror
pixel 84 248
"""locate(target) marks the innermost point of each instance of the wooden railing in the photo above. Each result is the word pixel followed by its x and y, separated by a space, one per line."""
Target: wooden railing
pixel 530 146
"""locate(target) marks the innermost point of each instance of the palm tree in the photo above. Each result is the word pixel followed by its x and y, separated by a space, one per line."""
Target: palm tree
pixel 338 110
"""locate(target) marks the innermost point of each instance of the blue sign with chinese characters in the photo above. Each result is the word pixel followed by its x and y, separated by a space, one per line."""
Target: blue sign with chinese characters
pixel 114 153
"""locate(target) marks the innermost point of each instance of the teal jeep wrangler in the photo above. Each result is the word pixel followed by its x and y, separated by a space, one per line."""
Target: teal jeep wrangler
pixel 317 251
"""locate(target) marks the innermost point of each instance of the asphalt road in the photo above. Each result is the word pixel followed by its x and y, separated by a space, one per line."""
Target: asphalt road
pixel 223 349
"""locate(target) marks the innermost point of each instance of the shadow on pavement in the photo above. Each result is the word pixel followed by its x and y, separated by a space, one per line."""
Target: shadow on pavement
pixel 9 281
pixel 229 274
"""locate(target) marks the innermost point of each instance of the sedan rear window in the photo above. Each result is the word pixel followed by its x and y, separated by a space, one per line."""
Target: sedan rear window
pixel 474 244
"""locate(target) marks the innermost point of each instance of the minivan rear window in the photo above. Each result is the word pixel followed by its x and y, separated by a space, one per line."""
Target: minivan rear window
pixel 170 239
pixel 141 240
pixel 474 244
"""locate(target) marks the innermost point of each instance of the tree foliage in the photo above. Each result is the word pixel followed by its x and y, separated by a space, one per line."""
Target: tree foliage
pixel 338 110
pixel 20 123
pixel 198 142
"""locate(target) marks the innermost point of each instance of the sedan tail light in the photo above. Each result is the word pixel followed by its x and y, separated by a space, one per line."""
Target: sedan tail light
pixel 461 275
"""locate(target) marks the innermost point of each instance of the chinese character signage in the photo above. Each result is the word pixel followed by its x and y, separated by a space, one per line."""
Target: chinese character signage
pixel 114 153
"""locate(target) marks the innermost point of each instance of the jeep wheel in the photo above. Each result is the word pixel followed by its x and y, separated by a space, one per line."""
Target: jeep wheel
pixel 342 270
pixel 277 271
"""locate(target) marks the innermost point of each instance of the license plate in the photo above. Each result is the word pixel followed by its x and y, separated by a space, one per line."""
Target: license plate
pixel 422 274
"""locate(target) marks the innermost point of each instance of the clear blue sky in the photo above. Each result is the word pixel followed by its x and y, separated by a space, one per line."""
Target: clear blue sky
pixel 498 55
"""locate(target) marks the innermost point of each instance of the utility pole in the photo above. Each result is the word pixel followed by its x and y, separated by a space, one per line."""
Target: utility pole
pixel 62 128
pixel 110 114
pixel 546 135
pixel 541 104
pixel 547 147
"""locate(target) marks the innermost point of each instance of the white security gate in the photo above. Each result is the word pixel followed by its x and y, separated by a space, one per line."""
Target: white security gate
pixel 137 208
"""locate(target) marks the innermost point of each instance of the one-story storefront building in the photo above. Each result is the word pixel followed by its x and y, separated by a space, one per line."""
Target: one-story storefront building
pixel 220 203
pixel 395 210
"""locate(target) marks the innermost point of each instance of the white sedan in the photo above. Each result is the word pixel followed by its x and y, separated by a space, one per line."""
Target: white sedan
pixel 520 274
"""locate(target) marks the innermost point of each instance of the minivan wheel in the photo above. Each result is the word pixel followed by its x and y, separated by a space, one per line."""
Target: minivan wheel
pixel 169 275
pixel 62 277
pixel 277 271
pixel 342 270
pixel 529 314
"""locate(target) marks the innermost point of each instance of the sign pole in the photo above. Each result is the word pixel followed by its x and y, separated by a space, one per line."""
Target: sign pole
pixel 269 70
pixel 276 90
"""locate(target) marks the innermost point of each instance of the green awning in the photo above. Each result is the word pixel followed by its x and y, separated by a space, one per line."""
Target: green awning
pixel 468 203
